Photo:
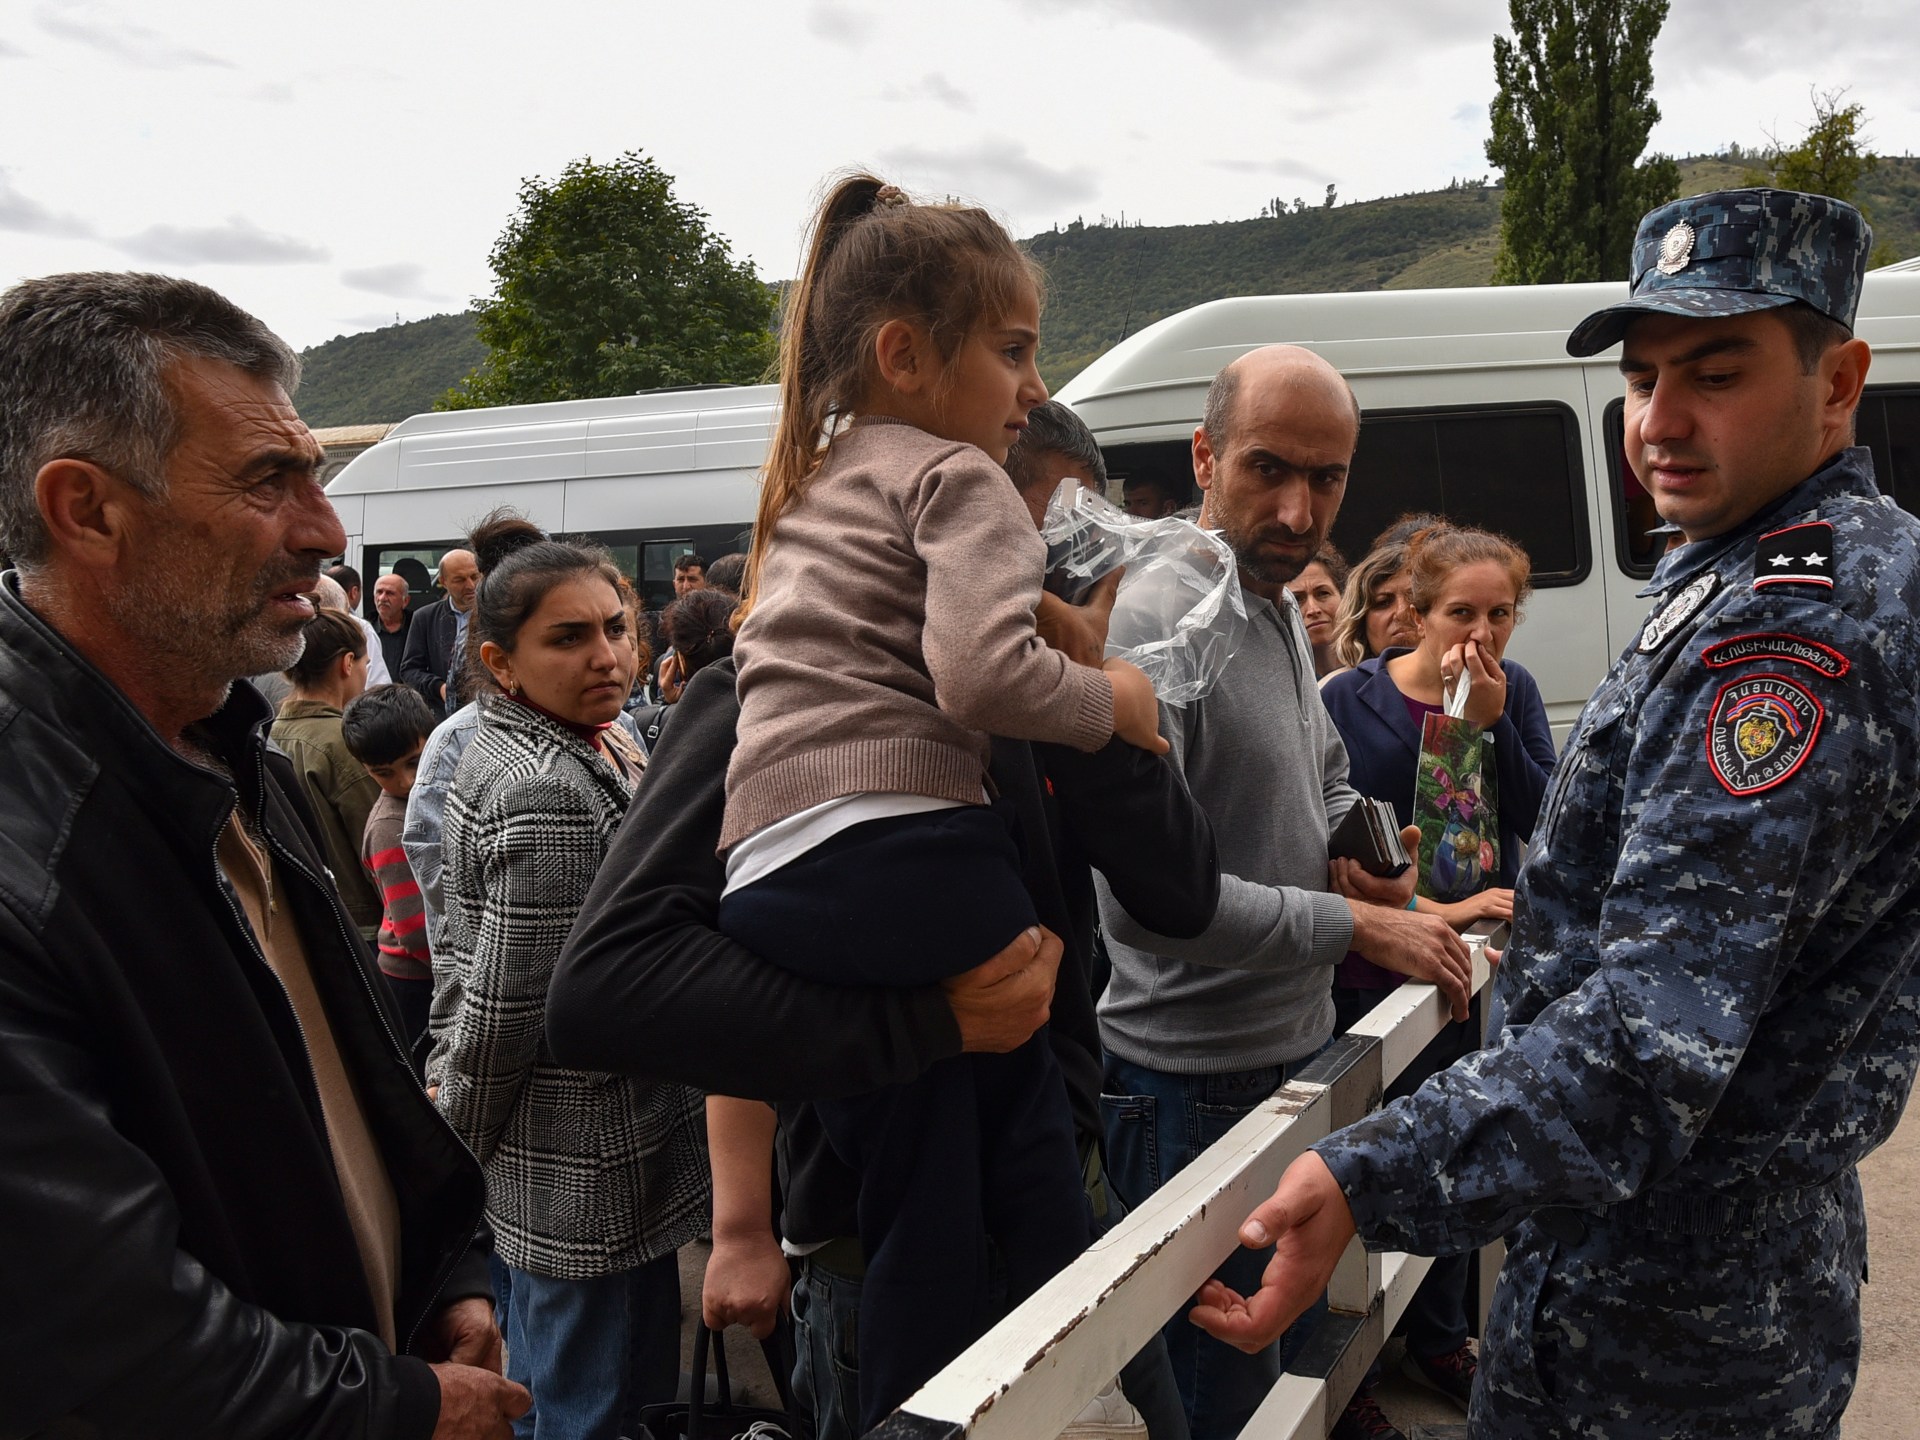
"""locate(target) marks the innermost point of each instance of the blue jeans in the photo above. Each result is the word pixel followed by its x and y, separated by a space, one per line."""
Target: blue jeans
pixel 1157 1124
pixel 826 1342
pixel 826 1350
pixel 593 1351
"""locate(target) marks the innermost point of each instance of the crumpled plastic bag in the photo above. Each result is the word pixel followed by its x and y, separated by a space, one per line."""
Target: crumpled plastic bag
pixel 1178 616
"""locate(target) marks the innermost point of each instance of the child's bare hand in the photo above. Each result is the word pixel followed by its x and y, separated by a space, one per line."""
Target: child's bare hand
pixel 1136 711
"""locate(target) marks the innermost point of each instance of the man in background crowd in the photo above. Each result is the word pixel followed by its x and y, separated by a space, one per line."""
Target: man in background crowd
pixel 689 574
pixel 1147 498
pixel 437 638
pixel 728 573
pixel 345 597
pixel 1056 445
pixel 392 605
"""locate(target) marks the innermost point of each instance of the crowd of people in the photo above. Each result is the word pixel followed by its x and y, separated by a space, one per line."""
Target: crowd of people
pixel 371 1054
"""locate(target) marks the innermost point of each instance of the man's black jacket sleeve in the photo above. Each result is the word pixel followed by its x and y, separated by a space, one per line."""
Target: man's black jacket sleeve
pixel 1131 816
pixel 111 1327
pixel 648 986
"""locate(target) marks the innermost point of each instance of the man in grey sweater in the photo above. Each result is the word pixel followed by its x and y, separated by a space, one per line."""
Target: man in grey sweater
pixel 1198 1032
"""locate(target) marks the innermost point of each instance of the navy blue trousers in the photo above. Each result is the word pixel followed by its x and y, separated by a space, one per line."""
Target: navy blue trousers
pixel 980 1147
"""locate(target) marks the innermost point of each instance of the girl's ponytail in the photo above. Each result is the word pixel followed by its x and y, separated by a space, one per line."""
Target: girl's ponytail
pixel 807 405
pixel 873 256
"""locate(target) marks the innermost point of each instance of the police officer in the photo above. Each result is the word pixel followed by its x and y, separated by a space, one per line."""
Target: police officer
pixel 1707 1015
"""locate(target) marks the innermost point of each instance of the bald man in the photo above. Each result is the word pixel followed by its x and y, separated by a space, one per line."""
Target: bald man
pixel 1198 1032
pixel 436 640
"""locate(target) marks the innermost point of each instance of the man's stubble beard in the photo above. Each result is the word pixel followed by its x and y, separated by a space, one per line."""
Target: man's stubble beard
pixel 182 625
pixel 1246 552
pixel 1266 569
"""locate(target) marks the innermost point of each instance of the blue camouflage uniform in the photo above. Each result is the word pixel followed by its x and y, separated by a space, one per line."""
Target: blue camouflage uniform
pixel 1708 1013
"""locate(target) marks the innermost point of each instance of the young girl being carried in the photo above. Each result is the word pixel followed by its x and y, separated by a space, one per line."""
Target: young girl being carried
pixel 890 633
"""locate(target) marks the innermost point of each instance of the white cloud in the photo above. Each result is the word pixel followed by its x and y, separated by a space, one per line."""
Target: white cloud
pixel 27 216
pixel 402 280
pixel 995 167
pixel 238 242
pixel 108 34
pixel 1246 32
pixel 934 87
pixel 840 24
pixel 1281 167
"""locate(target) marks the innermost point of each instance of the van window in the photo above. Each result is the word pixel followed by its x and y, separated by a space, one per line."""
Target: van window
pixel 647 556
pixel 1889 426
pixel 1515 469
pixel 415 561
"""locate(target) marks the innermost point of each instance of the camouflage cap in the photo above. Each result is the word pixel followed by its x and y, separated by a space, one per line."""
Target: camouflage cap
pixel 1732 251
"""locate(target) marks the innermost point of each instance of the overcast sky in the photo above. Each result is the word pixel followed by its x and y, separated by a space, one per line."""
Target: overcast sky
pixel 336 164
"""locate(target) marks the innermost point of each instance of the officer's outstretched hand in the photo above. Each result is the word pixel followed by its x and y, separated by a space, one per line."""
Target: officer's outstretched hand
pixel 1308 1223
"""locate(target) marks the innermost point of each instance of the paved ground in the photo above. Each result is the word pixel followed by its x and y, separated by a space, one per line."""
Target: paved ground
pixel 1886 1406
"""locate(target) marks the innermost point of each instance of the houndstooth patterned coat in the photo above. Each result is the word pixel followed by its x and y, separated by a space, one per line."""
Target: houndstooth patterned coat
pixel 588 1174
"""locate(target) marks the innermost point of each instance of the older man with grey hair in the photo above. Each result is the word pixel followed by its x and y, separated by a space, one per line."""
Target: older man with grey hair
pixel 227 1208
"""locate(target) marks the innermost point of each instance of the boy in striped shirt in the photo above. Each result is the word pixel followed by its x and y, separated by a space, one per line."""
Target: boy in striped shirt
pixel 386 729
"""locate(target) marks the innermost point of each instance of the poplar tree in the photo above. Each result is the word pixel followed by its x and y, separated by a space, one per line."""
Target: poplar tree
pixel 1570 124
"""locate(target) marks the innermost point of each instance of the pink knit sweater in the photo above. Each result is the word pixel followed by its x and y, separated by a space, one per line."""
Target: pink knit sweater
pixel 893 633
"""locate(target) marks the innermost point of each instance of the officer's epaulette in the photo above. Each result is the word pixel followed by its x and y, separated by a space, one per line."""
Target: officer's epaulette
pixel 1798 555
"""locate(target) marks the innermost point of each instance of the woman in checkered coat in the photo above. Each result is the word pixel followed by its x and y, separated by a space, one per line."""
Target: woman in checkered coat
pixel 593 1180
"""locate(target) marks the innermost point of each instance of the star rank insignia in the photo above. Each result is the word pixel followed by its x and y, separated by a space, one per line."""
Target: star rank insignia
pixel 1798 555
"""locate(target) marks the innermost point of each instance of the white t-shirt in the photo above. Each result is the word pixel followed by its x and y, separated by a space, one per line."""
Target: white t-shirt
pixel 785 841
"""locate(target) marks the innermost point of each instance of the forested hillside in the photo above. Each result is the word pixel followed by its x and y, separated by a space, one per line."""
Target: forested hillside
pixel 385 375
pixel 1106 281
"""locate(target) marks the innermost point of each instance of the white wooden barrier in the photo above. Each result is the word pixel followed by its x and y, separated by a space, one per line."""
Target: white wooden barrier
pixel 1033 1372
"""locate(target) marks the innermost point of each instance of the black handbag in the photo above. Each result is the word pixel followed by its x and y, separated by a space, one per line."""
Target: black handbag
pixel 692 1419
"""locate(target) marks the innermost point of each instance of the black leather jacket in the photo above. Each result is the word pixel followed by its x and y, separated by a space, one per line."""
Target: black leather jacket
pixel 177 1259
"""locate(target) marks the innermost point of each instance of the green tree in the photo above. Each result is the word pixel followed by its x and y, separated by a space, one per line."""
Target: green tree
pixel 606 284
pixel 1829 160
pixel 1570 123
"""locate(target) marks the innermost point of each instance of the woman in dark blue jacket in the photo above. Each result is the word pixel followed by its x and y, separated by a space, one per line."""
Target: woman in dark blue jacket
pixel 1466 592
pixel 1467 589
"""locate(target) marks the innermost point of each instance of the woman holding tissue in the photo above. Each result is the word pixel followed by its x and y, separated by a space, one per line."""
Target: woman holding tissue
pixel 1466 593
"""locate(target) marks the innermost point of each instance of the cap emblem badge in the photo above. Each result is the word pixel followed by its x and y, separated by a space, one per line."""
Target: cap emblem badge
pixel 1675 249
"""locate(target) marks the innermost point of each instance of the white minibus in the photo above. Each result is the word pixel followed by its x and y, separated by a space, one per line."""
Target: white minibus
pixel 652 476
